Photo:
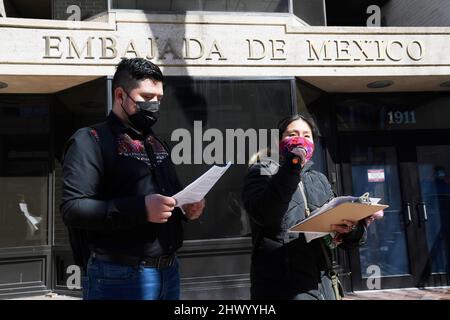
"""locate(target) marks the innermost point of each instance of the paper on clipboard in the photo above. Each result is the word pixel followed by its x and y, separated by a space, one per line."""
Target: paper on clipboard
pixel 338 209
pixel 198 189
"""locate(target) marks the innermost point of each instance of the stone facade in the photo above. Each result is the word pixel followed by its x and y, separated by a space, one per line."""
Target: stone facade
pixel 223 45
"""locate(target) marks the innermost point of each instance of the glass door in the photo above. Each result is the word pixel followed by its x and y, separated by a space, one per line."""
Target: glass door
pixel 387 258
pixel 409 246
pixel 374 170
pixel 396 146
pixel 434 203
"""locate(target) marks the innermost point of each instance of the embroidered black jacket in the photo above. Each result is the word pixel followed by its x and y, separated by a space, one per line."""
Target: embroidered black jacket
pixel 107 175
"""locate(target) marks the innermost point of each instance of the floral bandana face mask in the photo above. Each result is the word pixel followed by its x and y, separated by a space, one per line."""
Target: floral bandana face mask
pixel 289 143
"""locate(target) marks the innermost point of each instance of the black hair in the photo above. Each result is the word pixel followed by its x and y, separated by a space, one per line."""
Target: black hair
pixel 130 71
pixel 285 122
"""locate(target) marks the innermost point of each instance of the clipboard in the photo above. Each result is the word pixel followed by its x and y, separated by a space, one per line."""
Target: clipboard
pixel 322 222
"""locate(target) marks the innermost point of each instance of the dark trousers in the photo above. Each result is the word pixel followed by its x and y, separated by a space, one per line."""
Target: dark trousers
pixel 283 290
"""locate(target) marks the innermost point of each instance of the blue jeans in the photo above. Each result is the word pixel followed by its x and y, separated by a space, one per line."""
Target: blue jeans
pixel 110 281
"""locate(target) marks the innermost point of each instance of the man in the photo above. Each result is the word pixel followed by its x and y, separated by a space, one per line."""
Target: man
pixel 118 181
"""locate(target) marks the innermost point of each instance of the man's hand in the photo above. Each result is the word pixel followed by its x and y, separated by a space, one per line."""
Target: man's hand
pixel 347 226
pixel 159 207
pixel 194 210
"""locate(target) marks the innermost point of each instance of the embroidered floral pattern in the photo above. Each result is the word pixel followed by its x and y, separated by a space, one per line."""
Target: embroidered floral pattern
pixel 94 133
pixel 158 149
pixel 131 148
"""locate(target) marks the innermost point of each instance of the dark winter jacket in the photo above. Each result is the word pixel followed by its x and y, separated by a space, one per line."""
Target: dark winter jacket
pixel 275 204
pixel 108 170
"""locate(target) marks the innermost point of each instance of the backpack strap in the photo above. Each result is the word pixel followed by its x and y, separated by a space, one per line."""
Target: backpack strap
pixel 331 273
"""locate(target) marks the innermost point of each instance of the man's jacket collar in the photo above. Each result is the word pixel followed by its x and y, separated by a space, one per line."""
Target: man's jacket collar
pixel 118 126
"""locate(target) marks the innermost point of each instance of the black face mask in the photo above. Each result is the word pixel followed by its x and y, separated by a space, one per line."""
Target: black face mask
pixel 146 117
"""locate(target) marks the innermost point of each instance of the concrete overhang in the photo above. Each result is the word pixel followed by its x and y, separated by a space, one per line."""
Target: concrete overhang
pixel 41 84
pixel 335 59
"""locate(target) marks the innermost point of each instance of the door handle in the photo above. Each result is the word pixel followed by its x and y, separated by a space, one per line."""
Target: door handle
pixel 408 214
pixel 423 210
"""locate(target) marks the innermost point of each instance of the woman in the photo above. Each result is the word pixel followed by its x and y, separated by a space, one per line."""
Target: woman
pixel 284 265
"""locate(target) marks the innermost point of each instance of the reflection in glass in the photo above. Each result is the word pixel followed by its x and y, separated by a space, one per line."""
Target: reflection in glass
pixel 205 5
pixel 310 11
pixel 434 169
pixel 386 242
pixel 220 105
pixel 79 106
pixel 24 145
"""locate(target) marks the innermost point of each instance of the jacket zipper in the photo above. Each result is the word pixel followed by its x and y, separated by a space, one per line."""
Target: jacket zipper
pixel 302 191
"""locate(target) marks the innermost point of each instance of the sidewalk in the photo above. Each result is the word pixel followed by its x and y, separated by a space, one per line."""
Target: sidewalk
pixel 48 296
pixel 441 293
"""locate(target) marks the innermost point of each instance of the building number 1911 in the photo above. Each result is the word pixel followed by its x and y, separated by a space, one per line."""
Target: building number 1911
pixel 399 117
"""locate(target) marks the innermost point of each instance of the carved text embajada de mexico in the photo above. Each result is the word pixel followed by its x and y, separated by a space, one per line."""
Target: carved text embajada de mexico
pixel 251 50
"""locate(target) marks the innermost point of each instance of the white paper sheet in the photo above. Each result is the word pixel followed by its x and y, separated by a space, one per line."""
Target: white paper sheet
pixel 198 189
